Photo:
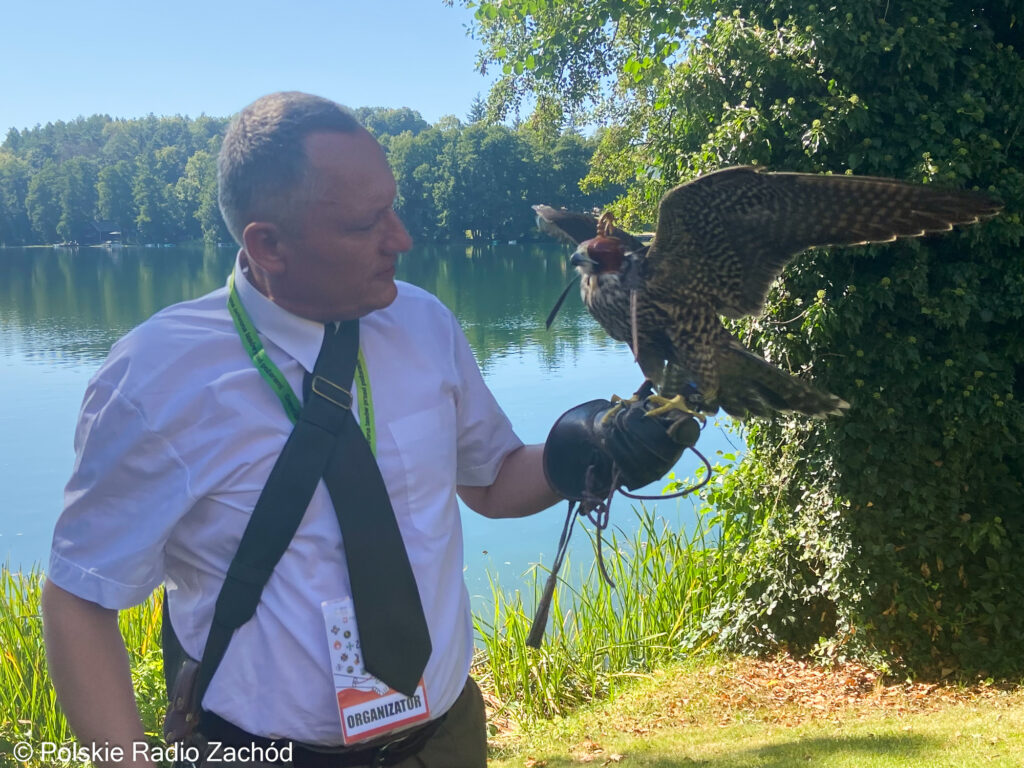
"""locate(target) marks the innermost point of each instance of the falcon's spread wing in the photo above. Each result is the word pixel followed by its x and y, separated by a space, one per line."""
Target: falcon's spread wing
pixel 728 235
pixel 575 228
pixel 721 241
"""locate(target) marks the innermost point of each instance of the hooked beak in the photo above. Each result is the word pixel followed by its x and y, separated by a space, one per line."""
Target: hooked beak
pixel 580 257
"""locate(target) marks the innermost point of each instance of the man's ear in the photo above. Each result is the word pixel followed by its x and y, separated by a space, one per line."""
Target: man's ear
pixel 263 244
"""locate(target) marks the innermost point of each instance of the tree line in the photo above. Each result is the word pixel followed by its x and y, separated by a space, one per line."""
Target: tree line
pixel 154 179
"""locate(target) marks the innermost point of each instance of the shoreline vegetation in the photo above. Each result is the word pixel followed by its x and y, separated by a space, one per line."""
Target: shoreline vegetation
pixel 641 656
pixel 597 643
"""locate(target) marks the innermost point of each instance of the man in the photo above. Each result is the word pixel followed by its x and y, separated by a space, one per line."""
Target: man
pixel 179 431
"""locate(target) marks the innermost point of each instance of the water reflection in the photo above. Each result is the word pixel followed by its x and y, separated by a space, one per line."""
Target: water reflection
pixel 69 306
pixel 64 305
pixel 502 294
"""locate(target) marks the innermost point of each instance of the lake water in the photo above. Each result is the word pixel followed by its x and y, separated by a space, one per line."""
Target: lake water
pixel 61 311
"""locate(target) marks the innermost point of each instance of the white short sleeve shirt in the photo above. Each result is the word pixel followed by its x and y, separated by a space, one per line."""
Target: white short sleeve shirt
pixel 176 437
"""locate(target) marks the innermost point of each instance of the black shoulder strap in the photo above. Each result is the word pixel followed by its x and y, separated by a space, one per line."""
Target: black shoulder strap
pixel 286 494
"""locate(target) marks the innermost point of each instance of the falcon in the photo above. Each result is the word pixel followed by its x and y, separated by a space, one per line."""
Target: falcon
pixel 720 242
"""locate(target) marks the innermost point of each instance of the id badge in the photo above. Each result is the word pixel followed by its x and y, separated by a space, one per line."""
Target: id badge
pixel 367 706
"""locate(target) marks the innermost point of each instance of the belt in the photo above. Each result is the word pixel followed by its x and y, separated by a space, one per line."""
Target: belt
pixel 404 745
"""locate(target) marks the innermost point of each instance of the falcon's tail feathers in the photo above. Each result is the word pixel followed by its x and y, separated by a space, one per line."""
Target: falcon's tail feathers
pixel 751 386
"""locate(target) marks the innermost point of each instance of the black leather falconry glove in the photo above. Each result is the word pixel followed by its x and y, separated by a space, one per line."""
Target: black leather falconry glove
pixel 588 456
pixel 583 447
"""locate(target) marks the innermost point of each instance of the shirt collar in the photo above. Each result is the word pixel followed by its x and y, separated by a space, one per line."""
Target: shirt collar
pixel 297 336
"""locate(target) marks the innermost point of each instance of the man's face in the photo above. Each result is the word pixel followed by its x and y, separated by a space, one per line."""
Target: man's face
pixel 342 256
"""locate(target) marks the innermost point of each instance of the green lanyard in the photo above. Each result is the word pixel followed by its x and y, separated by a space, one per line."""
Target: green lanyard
pixel 273 376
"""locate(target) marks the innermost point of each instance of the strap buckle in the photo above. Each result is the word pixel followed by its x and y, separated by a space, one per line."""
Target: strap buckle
pixel 330 391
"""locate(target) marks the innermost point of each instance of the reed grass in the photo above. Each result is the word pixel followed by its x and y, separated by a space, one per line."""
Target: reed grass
pixel 666 582
pixel 28 704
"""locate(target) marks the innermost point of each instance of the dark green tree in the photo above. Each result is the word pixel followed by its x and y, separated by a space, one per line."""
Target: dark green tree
pixel 115 201
pixel 15 228
pixel 42 202
pixel 123 142
pixel 415 162
pixel 443 178
pixel 12 141
pixel 451 177
pixel 77 198
pixel 477 110
pixel 149 200
pixel 899 529
pixel 562 168
pixel 197 193
pixel 164 132
pixel 385 121
pixel 204 130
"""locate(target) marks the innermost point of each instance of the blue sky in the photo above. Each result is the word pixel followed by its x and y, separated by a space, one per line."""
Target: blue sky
pixel 65 58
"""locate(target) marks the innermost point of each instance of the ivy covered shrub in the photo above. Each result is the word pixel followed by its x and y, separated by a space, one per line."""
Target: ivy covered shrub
pixel 896 531
pixel 899 528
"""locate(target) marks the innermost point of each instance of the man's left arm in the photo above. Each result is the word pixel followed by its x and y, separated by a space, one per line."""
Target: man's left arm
pixel 520 489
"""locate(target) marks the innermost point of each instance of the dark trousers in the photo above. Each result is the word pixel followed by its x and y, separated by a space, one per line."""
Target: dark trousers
pixel 459 742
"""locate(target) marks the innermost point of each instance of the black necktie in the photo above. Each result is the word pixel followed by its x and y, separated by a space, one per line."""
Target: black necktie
pixel 393 632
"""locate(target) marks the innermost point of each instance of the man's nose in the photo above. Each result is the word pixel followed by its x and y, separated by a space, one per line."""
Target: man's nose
pixel 398 238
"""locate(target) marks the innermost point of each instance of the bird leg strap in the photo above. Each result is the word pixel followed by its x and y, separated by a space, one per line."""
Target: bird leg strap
pixel 634 332
pixel 588 461
pixel 597 510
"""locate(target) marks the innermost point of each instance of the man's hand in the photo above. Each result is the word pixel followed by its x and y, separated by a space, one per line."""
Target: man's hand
pixel 584 447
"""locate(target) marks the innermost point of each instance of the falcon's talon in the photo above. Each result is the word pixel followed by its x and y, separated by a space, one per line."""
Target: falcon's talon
pixel 618 403
pixel 677 403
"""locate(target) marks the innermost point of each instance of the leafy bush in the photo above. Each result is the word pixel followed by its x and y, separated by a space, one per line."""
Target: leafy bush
pixel 897 529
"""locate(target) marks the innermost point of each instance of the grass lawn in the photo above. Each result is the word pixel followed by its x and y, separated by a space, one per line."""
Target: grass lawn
pixel 771 714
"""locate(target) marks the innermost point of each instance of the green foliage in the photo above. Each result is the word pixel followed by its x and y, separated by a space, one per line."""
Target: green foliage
pixel 149 199
pixel 384 121
pixel 896 532
pixel 14 180
pixel 115 201
pixel 477 110
pixel 196 190
pixel 481 179
pixel 28 703
pixel 77 196
pixel 41 201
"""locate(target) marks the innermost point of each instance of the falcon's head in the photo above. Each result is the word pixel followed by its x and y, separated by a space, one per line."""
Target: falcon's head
pixel 599 256
pixel 602 254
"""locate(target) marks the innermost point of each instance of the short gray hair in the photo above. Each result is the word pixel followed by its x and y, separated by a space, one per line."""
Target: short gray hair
pixel 263 170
